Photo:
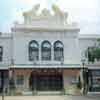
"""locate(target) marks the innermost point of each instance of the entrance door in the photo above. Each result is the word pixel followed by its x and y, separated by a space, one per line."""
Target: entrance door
pixel 49 82
pixel 45 81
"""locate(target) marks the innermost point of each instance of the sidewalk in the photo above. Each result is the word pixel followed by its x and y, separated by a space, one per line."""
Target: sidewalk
pixel 33 98
pixel 94 94
pixel 54 97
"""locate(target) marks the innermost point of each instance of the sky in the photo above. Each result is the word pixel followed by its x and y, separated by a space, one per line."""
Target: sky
pixel 85 12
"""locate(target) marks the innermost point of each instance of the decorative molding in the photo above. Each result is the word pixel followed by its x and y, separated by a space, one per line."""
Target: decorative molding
pixel 45 21
pixel 31 15
pixel 28 30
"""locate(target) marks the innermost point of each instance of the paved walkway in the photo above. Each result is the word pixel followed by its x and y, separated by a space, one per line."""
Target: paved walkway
pixel 65 97
pixel 33 98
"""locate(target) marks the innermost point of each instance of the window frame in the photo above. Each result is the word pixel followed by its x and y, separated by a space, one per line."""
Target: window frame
pixel 33 50
pixel 21 79
pixel 46 51
pixel 58 51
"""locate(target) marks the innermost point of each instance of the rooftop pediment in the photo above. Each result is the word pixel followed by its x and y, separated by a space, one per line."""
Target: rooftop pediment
pixel 45 20
pixel 45 15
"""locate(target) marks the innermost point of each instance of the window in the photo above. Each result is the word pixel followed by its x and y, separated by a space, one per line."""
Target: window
pixel 58 51
pixel 46 50
pixel 95 80
pixel 96 73
pixel 20 80
pixel 1 53
pixel 0 80
pixel 33 50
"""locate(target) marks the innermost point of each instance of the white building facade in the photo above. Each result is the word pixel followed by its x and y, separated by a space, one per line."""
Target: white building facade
pixel 45 52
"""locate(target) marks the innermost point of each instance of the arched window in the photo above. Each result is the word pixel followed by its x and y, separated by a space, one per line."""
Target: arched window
pixel 46 50
pixel 33 50
pixel 58 51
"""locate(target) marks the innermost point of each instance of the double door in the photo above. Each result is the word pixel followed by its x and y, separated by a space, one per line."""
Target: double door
pixel 47 82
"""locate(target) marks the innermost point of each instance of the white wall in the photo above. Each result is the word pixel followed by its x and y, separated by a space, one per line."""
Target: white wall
pixel 5 42
pixel 17 48
pixel 69 39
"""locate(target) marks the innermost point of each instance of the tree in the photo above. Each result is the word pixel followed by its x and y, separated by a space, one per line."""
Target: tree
pixel 93 52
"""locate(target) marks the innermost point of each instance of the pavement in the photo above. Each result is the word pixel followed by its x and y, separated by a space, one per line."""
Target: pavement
pixel 54 97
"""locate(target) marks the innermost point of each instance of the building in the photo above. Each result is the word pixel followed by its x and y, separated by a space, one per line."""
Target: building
pixel 45 52
pixel 86 42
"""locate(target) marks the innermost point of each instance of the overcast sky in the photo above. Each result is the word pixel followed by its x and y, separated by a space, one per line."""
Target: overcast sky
pixel 85 12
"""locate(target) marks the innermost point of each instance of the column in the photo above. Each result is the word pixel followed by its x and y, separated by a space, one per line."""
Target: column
pixel 40 53
pixel 52 53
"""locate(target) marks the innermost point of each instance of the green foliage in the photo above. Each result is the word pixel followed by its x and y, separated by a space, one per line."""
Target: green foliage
pixel 98 40
pixel 93 53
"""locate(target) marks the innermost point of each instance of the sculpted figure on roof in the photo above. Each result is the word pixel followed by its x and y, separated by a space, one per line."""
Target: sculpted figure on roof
pixel 56 10
pixel 45 13
pixel 32 12
pixel 28 16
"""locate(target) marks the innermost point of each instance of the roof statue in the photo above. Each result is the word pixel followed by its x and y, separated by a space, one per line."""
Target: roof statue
pixel 44 19
pixel 32 12
pixel 56 10
pixel 45 13
pixel 28 16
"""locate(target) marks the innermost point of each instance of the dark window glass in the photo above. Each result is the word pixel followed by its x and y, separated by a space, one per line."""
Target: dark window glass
pixel 94 80
pixel 46 50
pixel 58 51
pixel 33 50
pixel 20 80
pixel 49 82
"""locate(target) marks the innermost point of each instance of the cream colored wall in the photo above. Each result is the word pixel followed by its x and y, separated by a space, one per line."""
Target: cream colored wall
pixel 7 51
pixel 69 39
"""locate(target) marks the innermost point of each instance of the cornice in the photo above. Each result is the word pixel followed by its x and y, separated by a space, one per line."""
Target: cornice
pixel 89 36
pixel 28 30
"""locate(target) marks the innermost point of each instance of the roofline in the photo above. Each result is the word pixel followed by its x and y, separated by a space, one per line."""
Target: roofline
pixel 89 36
pixel 43 29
